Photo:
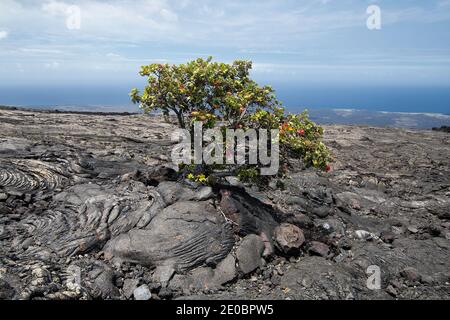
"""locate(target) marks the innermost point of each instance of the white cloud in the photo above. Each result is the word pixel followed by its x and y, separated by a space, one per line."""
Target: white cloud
pixel 243 24
pixel 55 7
pixel 40 51
pixel 169 15
pixel 283 37
pixel 114 55
pixel 52 65
pixel 3 34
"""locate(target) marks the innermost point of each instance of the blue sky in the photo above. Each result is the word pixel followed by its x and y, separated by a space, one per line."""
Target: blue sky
pixel 323 42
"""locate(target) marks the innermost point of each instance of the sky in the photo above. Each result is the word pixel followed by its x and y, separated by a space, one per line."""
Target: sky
pixel 292 43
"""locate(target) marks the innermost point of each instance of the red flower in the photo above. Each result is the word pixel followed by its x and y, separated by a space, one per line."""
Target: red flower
pixel 328 168
pixel 301 132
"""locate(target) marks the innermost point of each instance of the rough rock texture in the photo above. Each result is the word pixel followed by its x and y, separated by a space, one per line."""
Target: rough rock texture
pixel 443 129
pixel 142 293
pixel 289 238
pixel 90 208
pixel 249 253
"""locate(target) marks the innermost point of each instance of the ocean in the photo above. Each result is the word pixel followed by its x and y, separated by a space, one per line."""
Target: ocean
pixel 412 107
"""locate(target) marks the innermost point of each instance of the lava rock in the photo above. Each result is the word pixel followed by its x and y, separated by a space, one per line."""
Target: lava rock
pixel 129 286
pixel 249 253
pixel 163 274
pixel 388 236
pixel 186 234
pixel 4 210
pixel 427 279
pixel 205 278
pixel 318 248
pixel 249 214
pixel 104 282
pixel 384 179
pixel 142 293
pixel 172 192
pixel 288 238
pixel 363 235
pixel 234 181
pixel 413 229
pixel 6 290
pixel 391 290
pixel 301 220
pixel 165 293
pixel 411 274
pixel 225 270
pixel 442 129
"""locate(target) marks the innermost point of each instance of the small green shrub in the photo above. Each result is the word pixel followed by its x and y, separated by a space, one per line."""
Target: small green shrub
pixel 203 87
pixel 223 95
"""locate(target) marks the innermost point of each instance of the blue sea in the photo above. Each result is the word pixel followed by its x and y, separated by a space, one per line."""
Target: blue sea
pixel 389 106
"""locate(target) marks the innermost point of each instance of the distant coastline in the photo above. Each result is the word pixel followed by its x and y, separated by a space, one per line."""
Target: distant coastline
pixel 326 116
pixel 409 120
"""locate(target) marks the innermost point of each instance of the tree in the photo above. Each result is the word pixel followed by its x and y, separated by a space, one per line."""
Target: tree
pixel 220 94
pixel 204 87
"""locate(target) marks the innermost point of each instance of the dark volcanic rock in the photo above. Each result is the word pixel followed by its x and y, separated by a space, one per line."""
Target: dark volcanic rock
pixel 206 278
pixel 306 277
pixel 103 281
pixel 249 253
pixel 288 238
pixel 319 248
pixel 411 274
pixel 90 208
pixel 6 291
pixel 129 286
pixel 443 129
pixel 201 234
pixel 249 215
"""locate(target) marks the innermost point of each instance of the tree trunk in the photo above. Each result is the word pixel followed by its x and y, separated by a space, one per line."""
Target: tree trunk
pixel 180 120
